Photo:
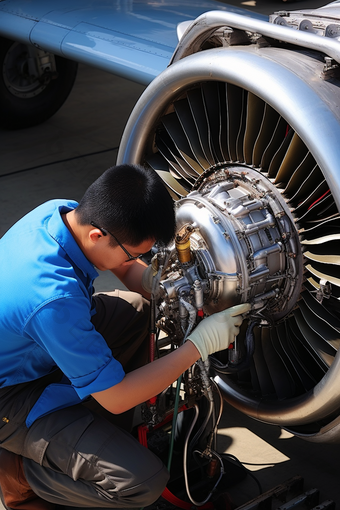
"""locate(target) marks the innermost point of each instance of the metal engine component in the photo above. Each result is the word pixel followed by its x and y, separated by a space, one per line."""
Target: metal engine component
pixel 324 21
pixel 243 127
pixel 244 242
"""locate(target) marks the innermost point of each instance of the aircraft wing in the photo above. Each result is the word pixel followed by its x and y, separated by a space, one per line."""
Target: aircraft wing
pixel 132 38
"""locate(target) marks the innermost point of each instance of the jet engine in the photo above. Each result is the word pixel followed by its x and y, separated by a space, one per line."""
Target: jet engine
pixel 244 129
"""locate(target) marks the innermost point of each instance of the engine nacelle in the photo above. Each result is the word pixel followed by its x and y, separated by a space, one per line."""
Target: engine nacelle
pixel 244 129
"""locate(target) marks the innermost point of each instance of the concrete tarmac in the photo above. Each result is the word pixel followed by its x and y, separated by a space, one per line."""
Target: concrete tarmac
pixel 59 159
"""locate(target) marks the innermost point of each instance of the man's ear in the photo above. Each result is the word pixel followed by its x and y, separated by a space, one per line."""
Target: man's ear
pixel 95 235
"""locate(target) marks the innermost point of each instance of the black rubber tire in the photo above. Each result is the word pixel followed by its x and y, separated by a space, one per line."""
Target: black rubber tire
pixel 17 112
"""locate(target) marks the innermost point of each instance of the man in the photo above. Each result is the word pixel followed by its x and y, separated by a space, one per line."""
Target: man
pixel 71 360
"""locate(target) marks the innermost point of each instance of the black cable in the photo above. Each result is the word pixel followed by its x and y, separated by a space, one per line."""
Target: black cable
pixel 57 162
pixel 229 455
pixel 158 354
pixel 228 368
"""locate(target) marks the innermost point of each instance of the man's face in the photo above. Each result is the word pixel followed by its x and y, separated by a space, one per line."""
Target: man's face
pixel 108 257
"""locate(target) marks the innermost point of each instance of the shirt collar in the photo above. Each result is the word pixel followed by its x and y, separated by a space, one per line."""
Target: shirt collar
pixel 59 231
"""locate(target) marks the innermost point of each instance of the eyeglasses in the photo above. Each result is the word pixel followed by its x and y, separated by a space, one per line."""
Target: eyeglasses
pixel 105 232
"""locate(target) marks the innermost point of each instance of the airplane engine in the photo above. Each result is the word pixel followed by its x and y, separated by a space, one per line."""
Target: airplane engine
pixel 244 129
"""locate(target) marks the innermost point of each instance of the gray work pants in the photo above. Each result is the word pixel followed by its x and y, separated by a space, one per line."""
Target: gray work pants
pixel 78 456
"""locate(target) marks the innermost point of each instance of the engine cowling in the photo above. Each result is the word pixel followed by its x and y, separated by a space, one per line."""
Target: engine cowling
pixel 244 129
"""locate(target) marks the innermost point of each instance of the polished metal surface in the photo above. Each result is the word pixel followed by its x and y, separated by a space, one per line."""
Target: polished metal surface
pixel 206 24
pixel 271 109
pixel 239 218
pixel 324 21
pixel 254 70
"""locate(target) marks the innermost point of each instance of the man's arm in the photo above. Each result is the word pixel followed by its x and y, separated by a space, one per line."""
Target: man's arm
pixel 148 381
pixel 213 334
pixel 130 275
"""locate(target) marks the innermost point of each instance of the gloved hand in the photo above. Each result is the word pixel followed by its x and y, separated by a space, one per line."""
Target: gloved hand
pixel 218 331
pixel 149 273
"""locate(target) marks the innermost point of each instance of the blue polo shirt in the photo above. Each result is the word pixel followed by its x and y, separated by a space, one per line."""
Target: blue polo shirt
pixel 45 312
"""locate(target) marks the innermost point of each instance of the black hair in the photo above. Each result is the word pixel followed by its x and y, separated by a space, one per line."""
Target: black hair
pixel 130 201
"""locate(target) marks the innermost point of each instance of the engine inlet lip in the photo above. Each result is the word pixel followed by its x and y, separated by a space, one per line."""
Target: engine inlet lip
pixel 304 104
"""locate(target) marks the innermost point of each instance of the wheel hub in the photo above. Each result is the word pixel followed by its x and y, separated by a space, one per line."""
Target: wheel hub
pixel 25 71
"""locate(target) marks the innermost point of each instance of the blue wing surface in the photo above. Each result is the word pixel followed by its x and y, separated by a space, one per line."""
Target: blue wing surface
pixel 131 38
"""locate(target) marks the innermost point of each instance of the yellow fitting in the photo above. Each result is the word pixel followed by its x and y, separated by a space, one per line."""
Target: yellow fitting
pixel 183 243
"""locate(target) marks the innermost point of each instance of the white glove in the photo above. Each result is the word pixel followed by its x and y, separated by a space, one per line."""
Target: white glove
pixel 218 331
pixel 149 273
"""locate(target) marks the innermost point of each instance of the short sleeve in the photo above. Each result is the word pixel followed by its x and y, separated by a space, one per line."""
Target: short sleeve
pixel 63 330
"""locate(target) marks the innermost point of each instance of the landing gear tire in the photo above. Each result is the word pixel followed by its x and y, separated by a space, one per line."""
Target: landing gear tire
pixel 34 84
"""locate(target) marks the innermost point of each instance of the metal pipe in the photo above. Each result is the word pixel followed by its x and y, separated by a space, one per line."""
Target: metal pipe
pixel 209 22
